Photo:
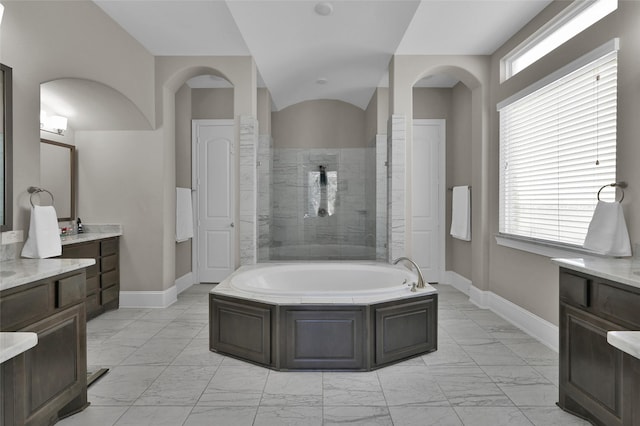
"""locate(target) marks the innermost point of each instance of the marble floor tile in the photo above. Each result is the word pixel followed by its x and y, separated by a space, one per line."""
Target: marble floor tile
pixel 531 395
pixel 235 386
pixel 550 372
pixel 124 313
pixel 490 352
pixel 515 375
pixel 142 329
pixel 359 388
pixel 123 385
pixel 221 416
pixel 177 385
pixel 448 354
pixel 182 329
pixel 154 416
pixel 469 386
pixel 288 416
pixel 357 415
pixel 96 416
pixel 410 385
pixel 293 388
pixel 197 353
pixel 157 351
pixel 552 416
pixel 492 416
pixel 424 416
pixel 533 352
pixel 112 352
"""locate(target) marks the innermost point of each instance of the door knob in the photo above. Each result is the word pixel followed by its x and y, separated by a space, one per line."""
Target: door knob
pixel 232 225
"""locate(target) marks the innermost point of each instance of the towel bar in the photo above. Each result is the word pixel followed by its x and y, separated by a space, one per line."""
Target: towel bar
pixel 35 190
pixel 615 185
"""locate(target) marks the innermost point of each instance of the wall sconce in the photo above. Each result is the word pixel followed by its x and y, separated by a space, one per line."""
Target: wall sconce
pixel 53 124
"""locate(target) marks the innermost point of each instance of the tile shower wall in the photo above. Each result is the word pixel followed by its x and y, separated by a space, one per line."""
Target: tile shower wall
pixel 265 195
pixel 295 221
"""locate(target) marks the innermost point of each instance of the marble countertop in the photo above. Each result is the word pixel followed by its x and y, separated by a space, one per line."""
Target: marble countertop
pixel 625 271
pixel 626 341
pixel 15 343
pixel 93 232
pixel 14 273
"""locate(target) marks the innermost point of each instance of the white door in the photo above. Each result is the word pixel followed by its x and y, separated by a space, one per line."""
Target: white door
pixel 213 174
pixel 427 195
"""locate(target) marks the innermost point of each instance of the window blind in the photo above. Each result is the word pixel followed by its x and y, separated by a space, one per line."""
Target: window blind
pixel 557 148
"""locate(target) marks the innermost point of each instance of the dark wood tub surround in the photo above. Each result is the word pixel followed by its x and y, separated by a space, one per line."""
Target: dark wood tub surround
pixel 357 337
pixel 597 381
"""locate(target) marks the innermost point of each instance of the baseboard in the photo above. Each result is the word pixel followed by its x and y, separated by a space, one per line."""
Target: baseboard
pixel 184 282
pixel 149 299
pixel 538 328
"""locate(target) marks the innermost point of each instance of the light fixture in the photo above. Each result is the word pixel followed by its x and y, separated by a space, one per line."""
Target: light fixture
pixel 322 80
pixel 53 124
pixel 324 8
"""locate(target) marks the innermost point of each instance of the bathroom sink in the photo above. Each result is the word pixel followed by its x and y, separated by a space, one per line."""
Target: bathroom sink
pixel 7 273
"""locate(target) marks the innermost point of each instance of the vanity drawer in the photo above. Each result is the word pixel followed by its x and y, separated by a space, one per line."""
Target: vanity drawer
pixel 93 285
pixel 574 289
pixel 109 262
pixel 110 294
pixel 108 247
pixel 618 304
pixel 109 279
pixel 70 290
pixel 81 251
pixel 24 306
pixel 93 303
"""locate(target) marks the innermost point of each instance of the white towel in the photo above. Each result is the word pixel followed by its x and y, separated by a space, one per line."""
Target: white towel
pixel 460 213
pixel 184 215
pixel 44 235
pixel 607 233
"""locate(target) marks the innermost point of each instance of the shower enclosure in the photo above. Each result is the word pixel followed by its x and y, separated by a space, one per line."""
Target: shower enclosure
pixel 320 204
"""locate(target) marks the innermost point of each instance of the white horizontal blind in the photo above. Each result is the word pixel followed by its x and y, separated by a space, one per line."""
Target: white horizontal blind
pixel 550 142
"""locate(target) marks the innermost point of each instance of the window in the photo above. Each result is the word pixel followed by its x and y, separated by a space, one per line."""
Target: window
pixel 557 148
pixel 577 17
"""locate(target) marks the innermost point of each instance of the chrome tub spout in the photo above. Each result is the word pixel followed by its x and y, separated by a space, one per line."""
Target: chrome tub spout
pixel 415 266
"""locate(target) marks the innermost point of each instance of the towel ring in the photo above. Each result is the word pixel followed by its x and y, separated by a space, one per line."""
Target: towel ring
pixel 35 190
pixel 615 185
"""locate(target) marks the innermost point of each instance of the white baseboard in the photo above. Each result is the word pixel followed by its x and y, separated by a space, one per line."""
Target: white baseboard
pixel 184 282
pixel 148 299
pixel 538 328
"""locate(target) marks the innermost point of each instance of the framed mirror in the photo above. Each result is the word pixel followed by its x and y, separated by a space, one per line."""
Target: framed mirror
pixel 6 149
pixel 58 176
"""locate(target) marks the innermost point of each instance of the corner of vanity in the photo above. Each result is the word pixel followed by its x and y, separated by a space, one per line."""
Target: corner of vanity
pixel 600 339
pixel 43 321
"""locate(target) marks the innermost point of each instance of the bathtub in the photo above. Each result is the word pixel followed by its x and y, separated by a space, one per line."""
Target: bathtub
pixel 322 315
pixel 322 252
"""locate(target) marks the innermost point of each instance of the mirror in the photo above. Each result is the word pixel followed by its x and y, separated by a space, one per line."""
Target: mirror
pixel 57 175
pixel 6 149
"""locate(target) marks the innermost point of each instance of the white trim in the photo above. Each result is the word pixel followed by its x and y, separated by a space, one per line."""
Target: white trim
pixel 541 248
pixel 538 328
pixel 149 299
pixel 458 282
pixel 184 282
pixel 612 45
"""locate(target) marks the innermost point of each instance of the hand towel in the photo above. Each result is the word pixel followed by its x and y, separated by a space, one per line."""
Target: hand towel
pixel 607 233
pixel 44 235
pixel 461 213
pixel 184 215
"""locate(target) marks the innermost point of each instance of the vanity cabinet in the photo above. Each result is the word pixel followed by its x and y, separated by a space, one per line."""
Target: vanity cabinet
pixel 598 381
pixel 103 278
pixel 49 381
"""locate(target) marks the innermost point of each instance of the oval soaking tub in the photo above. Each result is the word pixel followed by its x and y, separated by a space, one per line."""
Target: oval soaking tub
pixel 322 316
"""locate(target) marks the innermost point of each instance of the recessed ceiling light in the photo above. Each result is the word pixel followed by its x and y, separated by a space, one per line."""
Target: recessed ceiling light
pixel 322 80
pixel 324 8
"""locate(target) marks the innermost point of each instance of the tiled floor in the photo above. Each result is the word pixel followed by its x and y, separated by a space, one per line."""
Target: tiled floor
pixel 485 372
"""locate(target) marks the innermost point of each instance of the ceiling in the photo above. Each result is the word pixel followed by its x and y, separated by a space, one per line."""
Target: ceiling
pixel 294 47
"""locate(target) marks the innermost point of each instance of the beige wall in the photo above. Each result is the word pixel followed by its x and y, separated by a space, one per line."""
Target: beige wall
pixel 377 114
pixel 319 124
pixel 459 165
pixel 264 111
pixel 212 104
pixel 431 102
pixel 529 280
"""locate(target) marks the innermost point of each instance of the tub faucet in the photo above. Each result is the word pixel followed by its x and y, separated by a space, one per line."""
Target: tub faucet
pixel 416 267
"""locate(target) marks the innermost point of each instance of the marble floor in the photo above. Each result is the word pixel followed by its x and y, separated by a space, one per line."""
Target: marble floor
pixel 485 372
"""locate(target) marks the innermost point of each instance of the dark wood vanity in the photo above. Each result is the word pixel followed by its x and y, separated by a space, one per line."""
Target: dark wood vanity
pixel 597 381
pixel 103 279
pixel 48 381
